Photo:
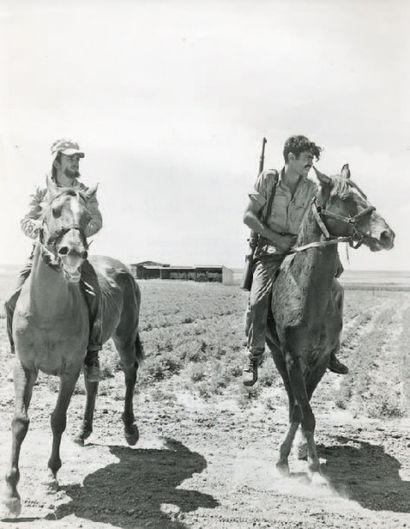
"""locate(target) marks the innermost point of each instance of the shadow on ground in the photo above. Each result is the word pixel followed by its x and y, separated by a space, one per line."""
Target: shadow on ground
pixel 130 492
pixel 365 473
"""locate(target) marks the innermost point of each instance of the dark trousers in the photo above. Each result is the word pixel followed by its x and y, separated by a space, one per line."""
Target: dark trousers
pixel 92 294
pixel 264 274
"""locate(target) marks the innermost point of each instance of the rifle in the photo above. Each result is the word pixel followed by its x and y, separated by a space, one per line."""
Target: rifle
pixel 252 239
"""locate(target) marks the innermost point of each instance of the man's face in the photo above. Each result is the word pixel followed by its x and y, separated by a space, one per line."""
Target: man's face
pixel 69 165
pixel 301 164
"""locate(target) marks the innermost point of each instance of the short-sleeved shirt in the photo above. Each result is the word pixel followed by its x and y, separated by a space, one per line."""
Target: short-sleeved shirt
pixel 287 211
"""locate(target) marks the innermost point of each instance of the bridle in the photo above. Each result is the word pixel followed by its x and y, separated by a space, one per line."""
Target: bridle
pixel 320 213
pixel 51 256
pixel 59 234
pixel 356 237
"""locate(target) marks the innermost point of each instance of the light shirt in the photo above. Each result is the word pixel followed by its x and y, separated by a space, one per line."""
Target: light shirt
pixel 287 211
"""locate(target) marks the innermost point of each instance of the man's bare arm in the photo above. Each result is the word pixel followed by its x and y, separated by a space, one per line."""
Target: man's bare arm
pixel 252 220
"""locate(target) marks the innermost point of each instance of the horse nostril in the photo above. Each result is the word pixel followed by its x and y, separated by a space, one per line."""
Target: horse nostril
pixel 63 250
pixel 387 239
pixel 84 254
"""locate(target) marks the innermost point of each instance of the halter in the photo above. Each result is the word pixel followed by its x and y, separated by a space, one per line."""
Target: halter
pixel 319 212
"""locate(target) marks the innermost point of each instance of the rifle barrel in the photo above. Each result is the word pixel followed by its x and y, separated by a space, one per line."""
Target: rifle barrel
pixel 262 158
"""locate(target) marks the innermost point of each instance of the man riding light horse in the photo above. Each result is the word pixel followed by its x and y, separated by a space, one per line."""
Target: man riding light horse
pixel 50 323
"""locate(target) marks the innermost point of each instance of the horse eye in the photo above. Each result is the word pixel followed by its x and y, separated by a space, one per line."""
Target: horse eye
pixel 56 212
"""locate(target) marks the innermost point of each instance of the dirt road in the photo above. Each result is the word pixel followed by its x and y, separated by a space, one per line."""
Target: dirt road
pixel 210 464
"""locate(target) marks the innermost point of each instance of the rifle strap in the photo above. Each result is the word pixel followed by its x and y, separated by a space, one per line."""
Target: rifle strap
pixel 271 197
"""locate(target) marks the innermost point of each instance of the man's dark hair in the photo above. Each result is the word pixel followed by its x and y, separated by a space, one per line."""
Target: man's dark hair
pixel 299 144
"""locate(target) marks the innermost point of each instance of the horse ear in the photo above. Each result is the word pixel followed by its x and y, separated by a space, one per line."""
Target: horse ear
pixel 345 172
pixel 90 193
pixel 323 179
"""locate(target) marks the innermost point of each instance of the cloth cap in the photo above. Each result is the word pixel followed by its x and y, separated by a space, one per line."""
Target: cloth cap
pixel 67 147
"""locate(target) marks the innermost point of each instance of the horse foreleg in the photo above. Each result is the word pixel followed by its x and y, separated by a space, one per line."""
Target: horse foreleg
pixel 294 415
pixel 23 387
pixel 87 426
pixel 286 446
pixel 58 425
pixel 308 421
pixel 130 428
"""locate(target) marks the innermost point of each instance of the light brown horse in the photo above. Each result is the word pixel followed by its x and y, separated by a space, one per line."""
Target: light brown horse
pixel 51 327
pixel 307 302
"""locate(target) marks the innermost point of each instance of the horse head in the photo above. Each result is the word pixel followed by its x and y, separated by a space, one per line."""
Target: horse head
pixel 346 212
pixel 64 224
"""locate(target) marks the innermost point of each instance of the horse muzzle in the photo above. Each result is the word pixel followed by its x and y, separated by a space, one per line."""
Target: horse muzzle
pixel 71 260
pixel 384 241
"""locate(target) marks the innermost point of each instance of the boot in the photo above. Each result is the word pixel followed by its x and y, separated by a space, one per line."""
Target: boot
pixel 92 367
pixel 250 372
pixel 336 366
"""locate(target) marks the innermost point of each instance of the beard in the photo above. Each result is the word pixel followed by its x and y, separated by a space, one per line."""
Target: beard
pixel 71 174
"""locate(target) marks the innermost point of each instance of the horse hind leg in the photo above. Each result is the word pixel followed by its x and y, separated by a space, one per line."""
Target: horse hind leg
pixel 23 386
pixel 129 347
pixel 130 353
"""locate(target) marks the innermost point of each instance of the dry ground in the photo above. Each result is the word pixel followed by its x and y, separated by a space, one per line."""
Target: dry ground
pixel 206 457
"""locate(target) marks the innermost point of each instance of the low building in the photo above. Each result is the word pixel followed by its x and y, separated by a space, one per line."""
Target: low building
pixel 218 273
pixel 211 273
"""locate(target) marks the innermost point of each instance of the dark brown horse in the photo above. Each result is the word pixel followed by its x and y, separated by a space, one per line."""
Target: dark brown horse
pixel 307 302
pixel 51 327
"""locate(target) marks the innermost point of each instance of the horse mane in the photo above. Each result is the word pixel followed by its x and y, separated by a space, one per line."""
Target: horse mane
pixel 341 187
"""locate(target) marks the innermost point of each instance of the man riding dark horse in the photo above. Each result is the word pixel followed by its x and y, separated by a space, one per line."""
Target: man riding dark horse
pixel 275 212
pixel 66 155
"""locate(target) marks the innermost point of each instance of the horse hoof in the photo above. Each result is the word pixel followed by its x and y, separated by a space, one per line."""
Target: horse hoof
pixel 82 436
pixel 318 480
pixel 13 506
pixel 79 440
pixel 132 435
pixel 283 468
pixel 50 482
pixel 51 486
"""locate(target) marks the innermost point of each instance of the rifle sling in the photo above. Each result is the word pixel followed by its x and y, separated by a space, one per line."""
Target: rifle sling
pixel 269 204
pixel 270 201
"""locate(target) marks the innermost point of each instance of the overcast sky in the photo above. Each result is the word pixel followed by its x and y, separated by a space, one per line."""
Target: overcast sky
pixel 170 101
